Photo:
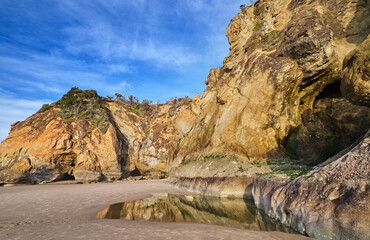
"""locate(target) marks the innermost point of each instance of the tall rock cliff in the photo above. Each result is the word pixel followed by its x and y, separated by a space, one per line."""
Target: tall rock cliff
pixel 295 83
pixel 294 90
pixel 89 138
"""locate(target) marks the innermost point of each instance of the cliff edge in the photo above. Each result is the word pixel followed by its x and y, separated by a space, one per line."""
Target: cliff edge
pixel 295 84
pixel 286 120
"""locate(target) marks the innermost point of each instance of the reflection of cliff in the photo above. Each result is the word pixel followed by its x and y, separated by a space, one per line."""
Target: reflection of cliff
pixel 226 212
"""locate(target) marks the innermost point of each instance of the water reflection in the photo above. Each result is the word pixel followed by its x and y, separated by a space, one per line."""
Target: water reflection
pixel 237 213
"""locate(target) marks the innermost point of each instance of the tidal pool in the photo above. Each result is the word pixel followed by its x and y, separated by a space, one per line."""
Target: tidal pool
pixel 238 213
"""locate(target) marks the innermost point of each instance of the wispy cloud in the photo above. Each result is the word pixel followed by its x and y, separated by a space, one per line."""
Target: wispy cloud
pixel 136 47
pixel 52 74
pixel 109 40
pixel 119 68
pixel 163 55
pixel 13 109
pixel 121 87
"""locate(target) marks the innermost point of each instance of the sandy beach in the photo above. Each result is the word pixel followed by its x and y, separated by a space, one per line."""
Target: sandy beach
pixel 67 211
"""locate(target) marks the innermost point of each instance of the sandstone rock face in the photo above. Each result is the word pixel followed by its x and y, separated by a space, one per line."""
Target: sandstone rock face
pixel 295 85
pixel 151 137
pixel 288 86
pixel 355 84
pixel 92 139
pixel 330 202
pixel 47 148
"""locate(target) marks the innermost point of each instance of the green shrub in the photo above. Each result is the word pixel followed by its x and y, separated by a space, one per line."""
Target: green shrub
pixel 214 156
pixel 76 95
pixel 67 101
pixel 270 36
pixel 89 112
pixel 252 45
pixel 44 108
pixel 292 174
pixel 86 94
pixel 79 104
pixel 101 105
pixel 258 163
pixel 189 161
pixel 100 122
pixel 67 115
pixel 258 27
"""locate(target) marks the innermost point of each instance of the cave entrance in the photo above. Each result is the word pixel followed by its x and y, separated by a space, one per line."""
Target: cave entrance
pixel 136 172
pixel 330 125
pixel 67 177
pixel 330 91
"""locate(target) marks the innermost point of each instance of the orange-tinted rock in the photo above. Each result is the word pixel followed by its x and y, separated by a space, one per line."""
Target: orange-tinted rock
pixel 287 89
pixel 279 91
pixel 99 141
pixel 50 149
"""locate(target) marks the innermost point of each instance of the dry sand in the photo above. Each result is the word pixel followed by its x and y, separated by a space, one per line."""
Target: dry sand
pixel 67 211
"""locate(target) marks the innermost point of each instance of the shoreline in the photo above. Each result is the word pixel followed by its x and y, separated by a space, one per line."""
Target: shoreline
pixel 59 211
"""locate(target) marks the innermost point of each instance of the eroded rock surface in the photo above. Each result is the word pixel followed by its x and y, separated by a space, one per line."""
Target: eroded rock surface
pixel 150 137
pixel 289 86
pixel 53 145
pixel 88 138
pixel 295 85
pixel 330 202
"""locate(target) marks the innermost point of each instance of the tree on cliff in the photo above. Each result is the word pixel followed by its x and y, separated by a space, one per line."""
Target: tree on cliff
pixel 118 95
pixel 245 5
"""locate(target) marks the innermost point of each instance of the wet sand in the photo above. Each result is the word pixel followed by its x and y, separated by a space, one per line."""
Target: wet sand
pixel 67 211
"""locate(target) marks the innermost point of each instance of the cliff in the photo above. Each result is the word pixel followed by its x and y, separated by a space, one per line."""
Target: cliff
pixel 294 86
pixel 89 138
pixel 287 117
pixel 295 83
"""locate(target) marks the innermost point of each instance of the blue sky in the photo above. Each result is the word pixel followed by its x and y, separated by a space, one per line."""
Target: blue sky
pixel 152 49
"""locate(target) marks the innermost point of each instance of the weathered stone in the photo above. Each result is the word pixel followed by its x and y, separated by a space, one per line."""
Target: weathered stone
pixel 48 147
pixel 355 84
pixel 279 91
pixel 330 202
pixel 60 148
pixel 294 85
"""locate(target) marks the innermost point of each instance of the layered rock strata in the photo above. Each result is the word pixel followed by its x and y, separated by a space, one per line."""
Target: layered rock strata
pixel 296 83
pixel 88 138
pixel 330 202
pixel 51 146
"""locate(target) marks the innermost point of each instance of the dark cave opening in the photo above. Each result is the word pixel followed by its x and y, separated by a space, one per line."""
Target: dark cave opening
pixel 67 177
pixel 330 91
pixel 330 125
pixel 136 172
